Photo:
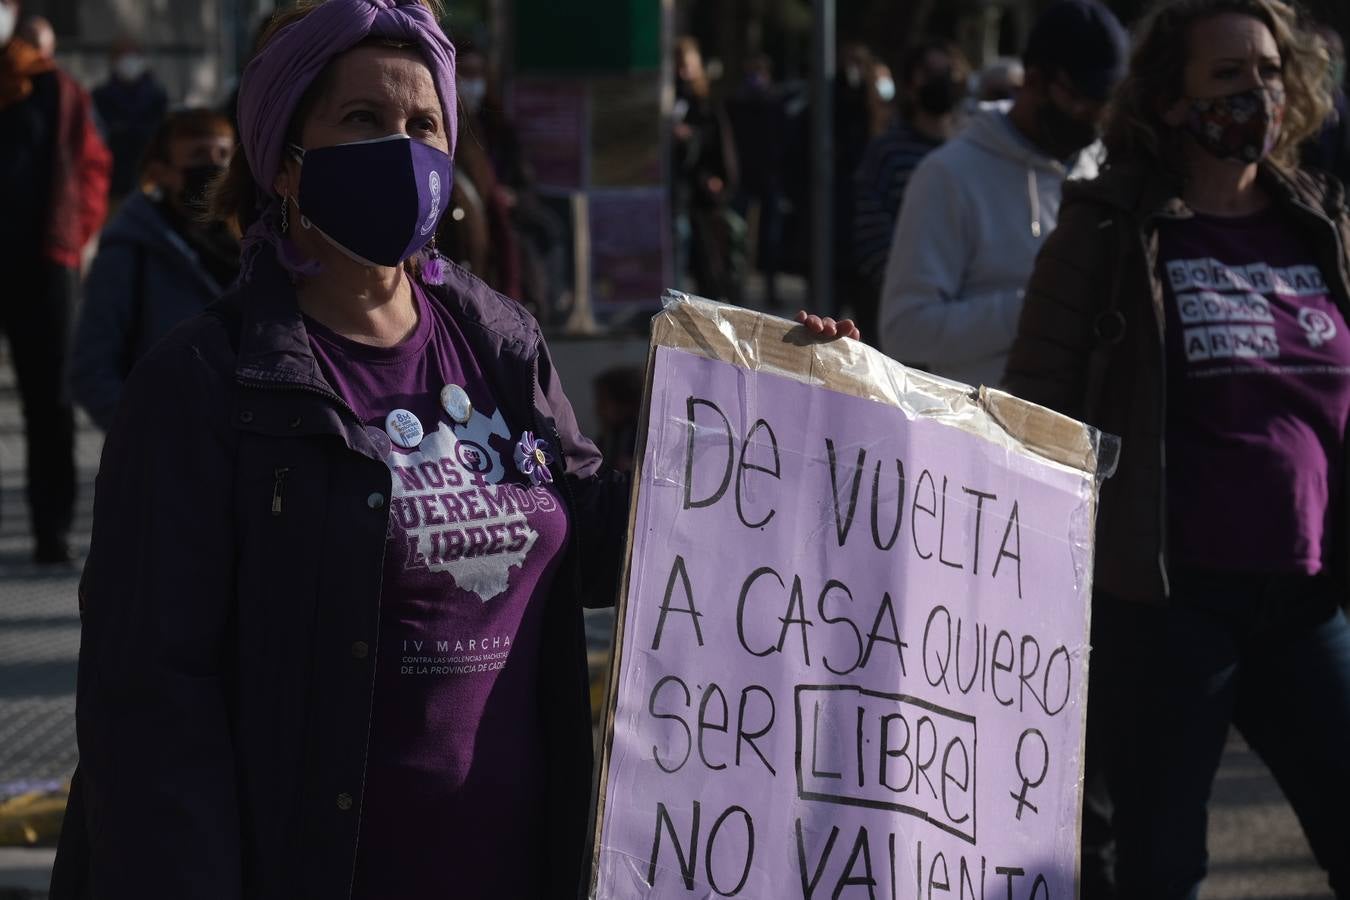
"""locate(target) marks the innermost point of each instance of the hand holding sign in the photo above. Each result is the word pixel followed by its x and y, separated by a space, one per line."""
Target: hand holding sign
pixel 848 630
pixel 827 327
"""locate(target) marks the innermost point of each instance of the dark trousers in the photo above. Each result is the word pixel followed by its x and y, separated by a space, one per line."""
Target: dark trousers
pixel 36 310
pixel 1268 654
pixel 1098 879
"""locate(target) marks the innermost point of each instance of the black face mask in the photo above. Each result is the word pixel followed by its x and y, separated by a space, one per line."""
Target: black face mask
pixel 940 95
pixel 196 181
pixel 1061 134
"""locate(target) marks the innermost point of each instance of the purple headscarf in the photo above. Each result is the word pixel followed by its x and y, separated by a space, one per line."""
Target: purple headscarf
pixel 278 77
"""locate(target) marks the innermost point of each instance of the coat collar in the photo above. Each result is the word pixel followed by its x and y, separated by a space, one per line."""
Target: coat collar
pixel 274 352
pixel 1147 194
pixel 274 344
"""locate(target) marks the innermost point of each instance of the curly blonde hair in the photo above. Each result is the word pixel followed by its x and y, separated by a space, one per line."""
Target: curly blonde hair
pixel 1135 130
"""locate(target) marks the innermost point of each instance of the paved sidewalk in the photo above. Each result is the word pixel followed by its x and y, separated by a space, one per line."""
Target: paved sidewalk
pixel 39 620
pixel 39 642
pixel 25 873
pixel 1256 847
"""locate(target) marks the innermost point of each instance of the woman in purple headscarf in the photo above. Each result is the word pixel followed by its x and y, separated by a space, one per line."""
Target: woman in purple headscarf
pixel 345 527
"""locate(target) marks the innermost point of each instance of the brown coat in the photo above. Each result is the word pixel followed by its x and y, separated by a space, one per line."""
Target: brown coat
pixel 1090 342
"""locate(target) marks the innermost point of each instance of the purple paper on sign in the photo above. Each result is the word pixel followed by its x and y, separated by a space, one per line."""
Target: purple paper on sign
pixel 854 652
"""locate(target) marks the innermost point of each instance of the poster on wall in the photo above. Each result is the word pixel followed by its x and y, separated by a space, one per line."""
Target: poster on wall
pixel 630 247
pixel 853 637
pixel 552 119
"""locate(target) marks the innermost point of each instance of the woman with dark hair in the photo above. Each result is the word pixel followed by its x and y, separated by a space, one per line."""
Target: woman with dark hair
pixel 332 636
pixel 157 262
pixel 703 180
pixel 1194 301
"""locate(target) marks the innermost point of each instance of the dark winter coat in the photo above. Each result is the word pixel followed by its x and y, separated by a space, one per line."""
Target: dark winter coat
pixel 1090 342
pixel 144 281
pixel 231 608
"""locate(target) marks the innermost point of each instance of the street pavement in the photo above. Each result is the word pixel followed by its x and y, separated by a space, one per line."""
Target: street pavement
pixel 1257 849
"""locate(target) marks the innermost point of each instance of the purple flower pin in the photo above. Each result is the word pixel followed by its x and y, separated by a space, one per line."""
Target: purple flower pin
pixel 533 458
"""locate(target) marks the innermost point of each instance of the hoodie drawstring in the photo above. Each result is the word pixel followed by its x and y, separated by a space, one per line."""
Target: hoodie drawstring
pixel 1034 195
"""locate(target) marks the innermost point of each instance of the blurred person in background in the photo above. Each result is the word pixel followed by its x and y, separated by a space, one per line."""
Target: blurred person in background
pixel 464 234
pixel 977 209
pixel 933 78
pixel 535 231
pixel 158 261
pixel 709 234
pixel 881 106
pixel 131 104
pixel 53 183
pixel 1329 149
pixel 854 87
pixel 37 31
pixel 854 93
pixel 475 163
pixel 1194 302
pixel 1000 80
pixel 758 119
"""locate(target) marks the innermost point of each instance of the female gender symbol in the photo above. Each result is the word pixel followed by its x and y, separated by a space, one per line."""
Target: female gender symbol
pixel 1021 798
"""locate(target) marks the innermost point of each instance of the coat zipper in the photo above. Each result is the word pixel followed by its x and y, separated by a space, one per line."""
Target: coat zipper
pixel 276 510
pixel 1034 195
pixel 280 475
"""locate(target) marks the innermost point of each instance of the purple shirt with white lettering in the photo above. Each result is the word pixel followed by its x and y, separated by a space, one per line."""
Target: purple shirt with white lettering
pixel 452 805
pixel 1258 396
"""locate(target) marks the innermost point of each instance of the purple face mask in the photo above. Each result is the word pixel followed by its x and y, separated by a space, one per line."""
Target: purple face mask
pixel 379 201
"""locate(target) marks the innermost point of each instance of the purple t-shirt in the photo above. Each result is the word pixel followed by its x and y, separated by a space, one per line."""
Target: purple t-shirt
pixel 452 803
pixel 1258 396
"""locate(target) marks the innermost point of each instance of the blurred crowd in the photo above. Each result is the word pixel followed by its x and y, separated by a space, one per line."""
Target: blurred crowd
pixel 105 229
pixel 741 175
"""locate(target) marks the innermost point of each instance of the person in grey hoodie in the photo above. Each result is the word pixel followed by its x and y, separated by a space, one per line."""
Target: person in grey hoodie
pixel 157 264
pixel 978 209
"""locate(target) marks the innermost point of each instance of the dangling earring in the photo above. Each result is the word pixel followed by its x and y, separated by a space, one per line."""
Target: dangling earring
pixel 433 265
pixel 285 213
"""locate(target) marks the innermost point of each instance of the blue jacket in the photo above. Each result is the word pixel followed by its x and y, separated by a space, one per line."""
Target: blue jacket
pixel 228 647
pixel 144 281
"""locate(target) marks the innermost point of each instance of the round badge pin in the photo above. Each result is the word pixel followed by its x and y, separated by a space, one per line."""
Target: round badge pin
pixel 404 429
pixel 383 446
pixel 455 400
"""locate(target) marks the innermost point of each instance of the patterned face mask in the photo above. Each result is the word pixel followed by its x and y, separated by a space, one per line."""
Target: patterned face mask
pixel 1243 126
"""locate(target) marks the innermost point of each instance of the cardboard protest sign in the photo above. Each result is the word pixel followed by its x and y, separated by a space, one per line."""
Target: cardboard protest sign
pixel 852 649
